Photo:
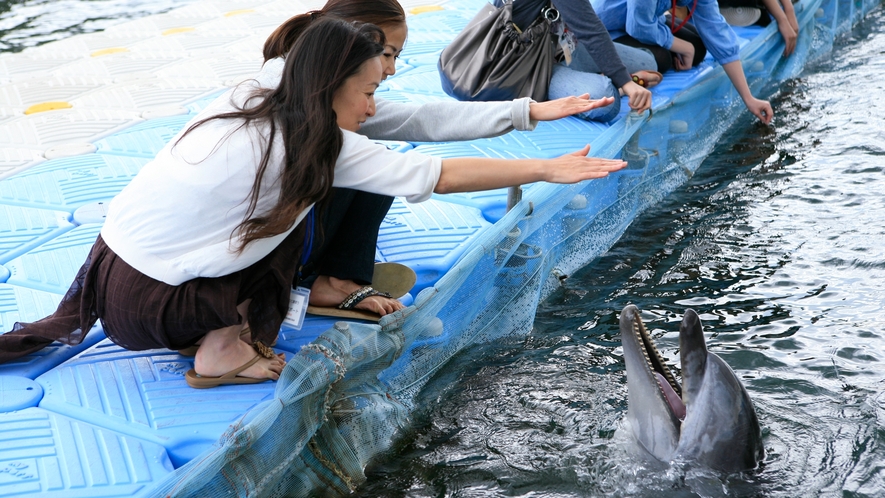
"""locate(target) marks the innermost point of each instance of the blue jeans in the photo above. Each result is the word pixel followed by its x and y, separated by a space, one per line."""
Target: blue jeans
pixel 582 76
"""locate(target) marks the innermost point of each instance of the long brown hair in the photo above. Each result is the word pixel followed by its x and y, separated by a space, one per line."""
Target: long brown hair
pixel 300 109
pixel 381 13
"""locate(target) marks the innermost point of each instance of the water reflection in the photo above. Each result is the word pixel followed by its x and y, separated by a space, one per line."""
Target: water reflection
pixel 28 23
pixel 777 244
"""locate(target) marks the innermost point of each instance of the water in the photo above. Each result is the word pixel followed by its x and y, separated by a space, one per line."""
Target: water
pixel 28 23
pixel 776 242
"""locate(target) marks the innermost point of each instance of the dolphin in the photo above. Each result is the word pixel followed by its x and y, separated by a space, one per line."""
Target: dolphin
pixel 709 419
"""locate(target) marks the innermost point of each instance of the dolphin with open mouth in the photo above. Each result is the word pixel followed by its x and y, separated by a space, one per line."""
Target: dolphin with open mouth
pixel 709 419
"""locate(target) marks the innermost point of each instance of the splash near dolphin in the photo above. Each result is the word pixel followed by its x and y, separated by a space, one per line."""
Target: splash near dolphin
pixel 708 419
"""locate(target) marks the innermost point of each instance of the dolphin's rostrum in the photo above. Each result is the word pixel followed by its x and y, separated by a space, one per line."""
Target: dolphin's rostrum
pixel 709 419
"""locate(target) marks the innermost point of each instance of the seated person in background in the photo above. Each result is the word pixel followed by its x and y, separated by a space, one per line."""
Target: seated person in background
pixel 206 240
pixel 751 12
pixel 598 66
pixel 342 259
pixel 678 44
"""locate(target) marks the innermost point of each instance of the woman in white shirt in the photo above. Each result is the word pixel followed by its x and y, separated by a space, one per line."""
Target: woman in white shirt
pixel 199 245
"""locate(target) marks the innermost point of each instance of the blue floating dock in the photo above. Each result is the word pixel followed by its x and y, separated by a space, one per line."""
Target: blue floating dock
pixel 49 455
pixel 23 228
pixel 428 237
pixel 144 139
pixel 66 184
pixel 52 266
pixel 143 394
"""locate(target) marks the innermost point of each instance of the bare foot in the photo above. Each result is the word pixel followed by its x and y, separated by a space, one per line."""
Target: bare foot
pixel 330 291
pixel 223 351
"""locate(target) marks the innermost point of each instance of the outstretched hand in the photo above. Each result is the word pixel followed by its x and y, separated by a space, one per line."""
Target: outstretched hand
pixel 575 167
pixel 566 106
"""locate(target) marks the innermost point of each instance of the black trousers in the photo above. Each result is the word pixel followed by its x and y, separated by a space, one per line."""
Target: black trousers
pixel 346 237
pixel 664 57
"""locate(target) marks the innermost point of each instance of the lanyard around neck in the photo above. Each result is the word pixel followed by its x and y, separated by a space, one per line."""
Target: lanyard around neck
pixel 673 27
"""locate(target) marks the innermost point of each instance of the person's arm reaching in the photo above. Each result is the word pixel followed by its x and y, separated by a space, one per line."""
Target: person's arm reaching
pixel 760 108
pixel 466 174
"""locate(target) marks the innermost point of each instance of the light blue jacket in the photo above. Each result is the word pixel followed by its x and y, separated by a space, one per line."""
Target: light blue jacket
pixel 645 21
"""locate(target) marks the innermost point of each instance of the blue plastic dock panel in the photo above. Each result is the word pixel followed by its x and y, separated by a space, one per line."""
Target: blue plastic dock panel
pixel 52 266
pixel 428 237
pixel 44 454
pixel 450 22
pixel 143 394
pixel 68 183
pixel 203 102
pixel 144 139
pixel 23 228
pixel 422 80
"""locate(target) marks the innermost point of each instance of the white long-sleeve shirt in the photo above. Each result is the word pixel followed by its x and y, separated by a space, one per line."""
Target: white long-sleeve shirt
pixel 176 220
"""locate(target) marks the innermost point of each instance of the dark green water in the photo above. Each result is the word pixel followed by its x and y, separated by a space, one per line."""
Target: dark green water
pixel 777 242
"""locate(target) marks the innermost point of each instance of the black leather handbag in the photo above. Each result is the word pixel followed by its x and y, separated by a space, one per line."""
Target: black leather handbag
pixel 493 60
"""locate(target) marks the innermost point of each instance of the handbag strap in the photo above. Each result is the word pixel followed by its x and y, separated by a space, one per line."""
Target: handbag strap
pixel 549 13
pixel 673 27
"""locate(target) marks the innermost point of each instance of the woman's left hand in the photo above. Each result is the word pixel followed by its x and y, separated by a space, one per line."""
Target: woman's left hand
pixel 566 106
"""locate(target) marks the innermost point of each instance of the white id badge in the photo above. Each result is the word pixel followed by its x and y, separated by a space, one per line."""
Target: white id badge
pixel 298 299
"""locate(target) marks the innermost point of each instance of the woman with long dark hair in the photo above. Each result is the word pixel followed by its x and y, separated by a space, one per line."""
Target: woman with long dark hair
pixel 205 241
pixel 340 269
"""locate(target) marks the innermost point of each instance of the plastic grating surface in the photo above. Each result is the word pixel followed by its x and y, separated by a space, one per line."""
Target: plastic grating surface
pixel 117 65
pixel 144 394
pixel 421 80
pixel 19 304
pixel 52 266
pixel 15 67
pixel 144 139
pixel 429 237
pixel 549 138
pixel 46 454
pixel 203 102
pixel 70 182
pixel 492 203
pixel 23 228
pixel 42 89
pixel 222 69
pixel 63 126
pixel 146 94
pixel 450 22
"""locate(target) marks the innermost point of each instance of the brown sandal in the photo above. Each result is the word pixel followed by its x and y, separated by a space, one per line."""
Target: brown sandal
pixel 648 82
pixel 198 381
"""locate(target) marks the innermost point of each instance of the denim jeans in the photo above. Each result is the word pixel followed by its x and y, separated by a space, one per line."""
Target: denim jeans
pixel 582 76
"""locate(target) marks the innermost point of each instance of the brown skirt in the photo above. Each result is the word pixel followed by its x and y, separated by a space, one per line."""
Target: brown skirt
pixel 138 312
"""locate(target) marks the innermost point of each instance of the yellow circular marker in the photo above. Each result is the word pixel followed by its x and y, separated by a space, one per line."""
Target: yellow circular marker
pixel 47 106
pixel 425 8
pixel 175 31
pixel 109 51
pixel 238 12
